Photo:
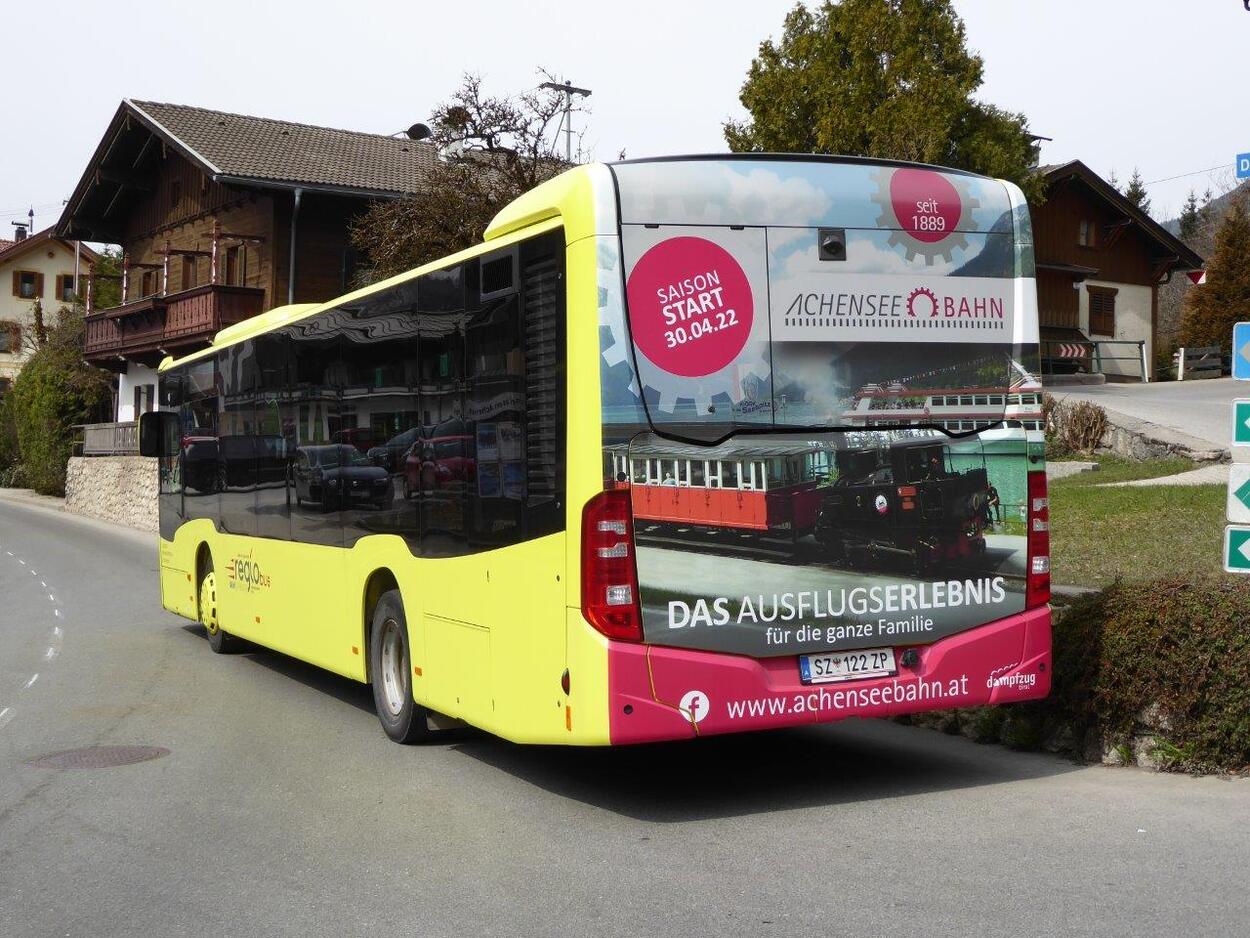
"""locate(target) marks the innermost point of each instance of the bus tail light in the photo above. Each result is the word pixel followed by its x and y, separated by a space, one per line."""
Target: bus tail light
pixel 1037 588
pixel 609 575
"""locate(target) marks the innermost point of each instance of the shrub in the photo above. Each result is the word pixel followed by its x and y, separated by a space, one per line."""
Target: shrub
pixel 54 391
pixel 1072 426
pixel 1176 649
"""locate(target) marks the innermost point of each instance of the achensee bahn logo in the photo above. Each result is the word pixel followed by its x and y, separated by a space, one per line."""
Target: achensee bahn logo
pixel 244 573
pixel 889 304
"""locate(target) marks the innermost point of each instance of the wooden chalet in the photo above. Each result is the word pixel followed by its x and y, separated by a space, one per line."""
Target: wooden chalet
pixel 1100 262
pixel 220 217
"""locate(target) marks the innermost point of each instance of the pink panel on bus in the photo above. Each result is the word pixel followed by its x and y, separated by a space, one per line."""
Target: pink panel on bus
pixel 673 693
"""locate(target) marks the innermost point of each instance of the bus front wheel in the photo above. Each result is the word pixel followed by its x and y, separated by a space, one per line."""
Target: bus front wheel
pixel 390 673
pixel 219 640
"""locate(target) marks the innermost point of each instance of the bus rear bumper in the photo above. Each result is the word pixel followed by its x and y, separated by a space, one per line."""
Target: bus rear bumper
pixel 658 693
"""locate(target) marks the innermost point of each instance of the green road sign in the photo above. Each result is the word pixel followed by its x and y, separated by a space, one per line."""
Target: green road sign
pixel 1241 423
pixel 1239 493
pixel 1237 549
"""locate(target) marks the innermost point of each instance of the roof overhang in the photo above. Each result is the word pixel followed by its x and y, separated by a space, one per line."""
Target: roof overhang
pixel 1170 251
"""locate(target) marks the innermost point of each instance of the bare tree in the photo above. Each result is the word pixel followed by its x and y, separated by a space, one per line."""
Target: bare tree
pixel 491 150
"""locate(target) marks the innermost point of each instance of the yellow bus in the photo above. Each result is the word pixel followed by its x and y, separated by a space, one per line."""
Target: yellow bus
pixel 597 480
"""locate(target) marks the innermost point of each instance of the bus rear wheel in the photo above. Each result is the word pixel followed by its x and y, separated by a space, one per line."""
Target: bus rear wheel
pixel 219 640
pixel 390 673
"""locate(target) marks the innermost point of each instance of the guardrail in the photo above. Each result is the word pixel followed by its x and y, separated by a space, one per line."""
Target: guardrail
pixel 1061 357
pixel 1194 362
pixel 110 439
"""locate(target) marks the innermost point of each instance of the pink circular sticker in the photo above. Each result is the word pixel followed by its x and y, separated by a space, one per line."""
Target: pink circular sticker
pixel 690 306
pixel 925 203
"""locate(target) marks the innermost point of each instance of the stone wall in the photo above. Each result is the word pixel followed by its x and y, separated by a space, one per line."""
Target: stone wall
pixel 121 489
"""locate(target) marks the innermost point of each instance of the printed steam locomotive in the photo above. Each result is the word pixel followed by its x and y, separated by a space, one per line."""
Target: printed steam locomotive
pixel 905 500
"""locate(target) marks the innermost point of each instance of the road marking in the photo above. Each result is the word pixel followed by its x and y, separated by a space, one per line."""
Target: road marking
pixel 51 598
pixel 57 613
pixel 34 677
pixel 50 653
pixel 5 716
pixel 43 584
pixel 21 561
pixel 9 552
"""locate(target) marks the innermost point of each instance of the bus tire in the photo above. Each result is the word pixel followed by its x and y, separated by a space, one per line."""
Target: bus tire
pixel 219 640
pixel 390 673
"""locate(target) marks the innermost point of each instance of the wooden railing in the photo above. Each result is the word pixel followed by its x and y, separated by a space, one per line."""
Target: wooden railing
pixel 156 324
pixel 110 439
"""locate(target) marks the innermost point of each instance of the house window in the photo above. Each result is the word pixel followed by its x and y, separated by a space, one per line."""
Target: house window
pixel 1087 234
pixel 175 193
pixel 145 399
pixel 234 267
pixel 149 282
pixel 1101 311
pixel 10 336
pixel 65 288
pixel 188 272
pixel 27 284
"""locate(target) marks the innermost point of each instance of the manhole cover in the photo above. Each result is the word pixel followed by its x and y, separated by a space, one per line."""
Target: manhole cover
pixel 98 757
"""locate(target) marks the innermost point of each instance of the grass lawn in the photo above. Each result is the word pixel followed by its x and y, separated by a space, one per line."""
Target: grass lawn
pixel 1135 533
pixel 1115 469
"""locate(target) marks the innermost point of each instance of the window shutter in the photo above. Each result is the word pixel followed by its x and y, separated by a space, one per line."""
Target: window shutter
pixel 60 287
pixel 17 283
pixel 38 284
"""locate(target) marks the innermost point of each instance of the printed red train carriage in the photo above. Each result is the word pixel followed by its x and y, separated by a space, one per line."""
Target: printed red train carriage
pixel 750 486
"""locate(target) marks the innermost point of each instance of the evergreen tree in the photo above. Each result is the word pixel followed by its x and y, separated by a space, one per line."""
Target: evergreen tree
pixel 891 79
pixel 1189 217
pixel 1211 308
pixel 1136 192
pixel 1114 181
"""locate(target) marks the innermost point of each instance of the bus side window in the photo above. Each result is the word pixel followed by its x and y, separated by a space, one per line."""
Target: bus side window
pixel 698 475
pixel 729 475
pixel 713 474
pixel 638 471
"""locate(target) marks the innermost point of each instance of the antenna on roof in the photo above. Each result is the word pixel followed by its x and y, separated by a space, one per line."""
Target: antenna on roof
pixel 418 132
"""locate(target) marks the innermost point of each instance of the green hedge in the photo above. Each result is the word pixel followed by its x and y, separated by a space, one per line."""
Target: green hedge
pixel 1175 651
pixel 55 391
pixel 1180 646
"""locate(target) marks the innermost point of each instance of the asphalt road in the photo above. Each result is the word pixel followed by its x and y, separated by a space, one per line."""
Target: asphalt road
pixel 1200 408
pixel 281 808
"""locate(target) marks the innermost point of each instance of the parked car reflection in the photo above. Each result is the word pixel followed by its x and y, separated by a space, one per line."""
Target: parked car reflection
pixel 391 454
pixel 336 475
pixel 439 463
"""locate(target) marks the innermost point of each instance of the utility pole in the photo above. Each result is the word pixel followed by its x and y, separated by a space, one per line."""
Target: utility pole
pixel 569 90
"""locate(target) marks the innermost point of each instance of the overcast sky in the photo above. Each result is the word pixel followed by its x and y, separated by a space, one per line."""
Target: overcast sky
pixel 1116 83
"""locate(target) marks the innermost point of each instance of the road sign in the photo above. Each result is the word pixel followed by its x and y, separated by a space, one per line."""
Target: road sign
pixel 1239 493
pixel 1243 165
pixel 1241 423
pixel 1237 549
pixel 1241 351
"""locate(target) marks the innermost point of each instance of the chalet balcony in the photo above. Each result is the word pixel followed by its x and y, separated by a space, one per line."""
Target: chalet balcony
pixel 147 329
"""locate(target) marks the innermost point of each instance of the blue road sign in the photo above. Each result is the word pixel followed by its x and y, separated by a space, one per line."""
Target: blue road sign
pixel 1243 165
pixel 1241 351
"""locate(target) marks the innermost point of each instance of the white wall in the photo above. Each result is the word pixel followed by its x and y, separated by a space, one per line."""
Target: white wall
pixel 1132 322
pixel 134 375
pixel 50 258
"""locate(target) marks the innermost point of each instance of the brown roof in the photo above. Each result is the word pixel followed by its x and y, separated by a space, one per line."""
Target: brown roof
pixel 1186 257
pixel 12 249
pixel 262 149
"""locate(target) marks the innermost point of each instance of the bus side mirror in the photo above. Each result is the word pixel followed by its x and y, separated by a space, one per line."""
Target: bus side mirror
pixel 154 430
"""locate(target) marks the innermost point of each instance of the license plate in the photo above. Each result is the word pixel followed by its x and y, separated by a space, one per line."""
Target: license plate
pixel 847 665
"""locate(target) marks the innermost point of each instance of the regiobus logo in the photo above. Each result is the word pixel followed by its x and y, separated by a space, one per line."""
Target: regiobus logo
pixel 243 572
